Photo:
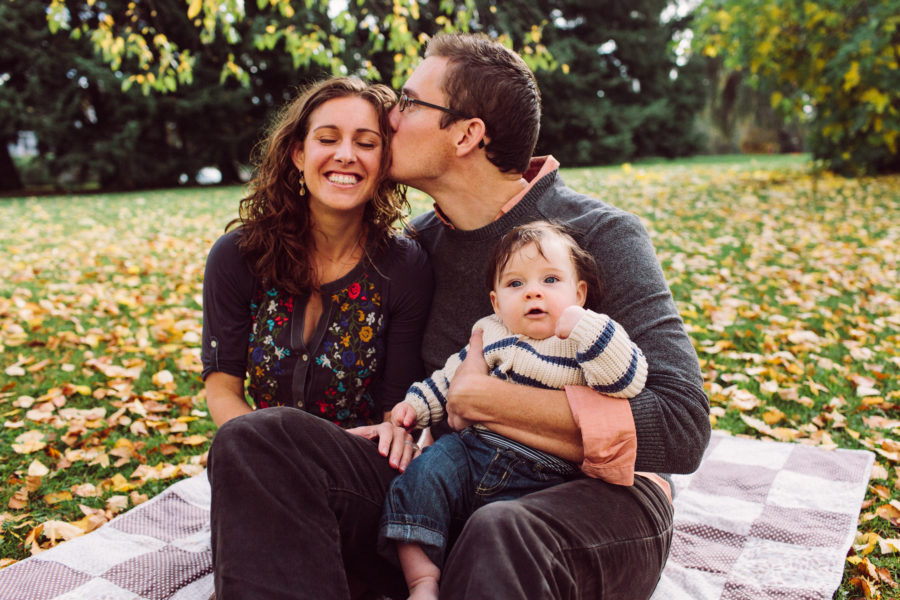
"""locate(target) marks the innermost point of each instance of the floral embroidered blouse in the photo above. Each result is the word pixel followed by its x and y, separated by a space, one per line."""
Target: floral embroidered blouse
pixel 360 360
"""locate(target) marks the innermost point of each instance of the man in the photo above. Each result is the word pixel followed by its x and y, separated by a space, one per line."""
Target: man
pixel 465 130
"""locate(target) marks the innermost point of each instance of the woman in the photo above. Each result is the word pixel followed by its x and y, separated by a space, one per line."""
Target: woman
pixel 314 298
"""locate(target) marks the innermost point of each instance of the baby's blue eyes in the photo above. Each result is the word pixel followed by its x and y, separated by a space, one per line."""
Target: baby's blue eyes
pixel 549 280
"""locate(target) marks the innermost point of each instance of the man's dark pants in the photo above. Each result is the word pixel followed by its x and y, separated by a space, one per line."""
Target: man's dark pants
pixel 296 503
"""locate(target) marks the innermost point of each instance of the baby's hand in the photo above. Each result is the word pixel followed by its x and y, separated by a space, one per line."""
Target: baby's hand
pixel 568 320
pixel 403 415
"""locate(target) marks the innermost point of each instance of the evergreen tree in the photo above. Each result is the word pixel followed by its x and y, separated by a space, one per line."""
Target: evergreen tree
pixel 619 92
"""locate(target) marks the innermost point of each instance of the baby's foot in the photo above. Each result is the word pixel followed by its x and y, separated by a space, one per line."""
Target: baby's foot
pixel 426 589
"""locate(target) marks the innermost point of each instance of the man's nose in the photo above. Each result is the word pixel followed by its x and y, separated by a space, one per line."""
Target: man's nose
pixel 394 117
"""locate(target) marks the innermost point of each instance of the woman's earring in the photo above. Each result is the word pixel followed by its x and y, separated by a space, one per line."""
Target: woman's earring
pixel 302 185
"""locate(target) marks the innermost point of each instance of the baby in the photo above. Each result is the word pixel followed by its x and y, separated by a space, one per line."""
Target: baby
pixel 540 336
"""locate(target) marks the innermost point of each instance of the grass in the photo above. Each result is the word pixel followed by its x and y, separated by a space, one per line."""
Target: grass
pixel 788 285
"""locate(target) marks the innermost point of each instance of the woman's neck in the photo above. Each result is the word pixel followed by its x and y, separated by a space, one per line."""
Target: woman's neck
pixel 339 246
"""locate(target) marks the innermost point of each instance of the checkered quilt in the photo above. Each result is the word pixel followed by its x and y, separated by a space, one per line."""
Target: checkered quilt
pixel 757 520
pixel 764 520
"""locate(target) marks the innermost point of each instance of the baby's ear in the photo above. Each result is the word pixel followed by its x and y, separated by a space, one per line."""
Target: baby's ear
pixel 494 303
pixel 581 292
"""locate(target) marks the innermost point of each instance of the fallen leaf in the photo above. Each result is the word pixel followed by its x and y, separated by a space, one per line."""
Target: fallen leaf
pixel 889 546
pixel 60 530
pixel 28 442
pixel 19 500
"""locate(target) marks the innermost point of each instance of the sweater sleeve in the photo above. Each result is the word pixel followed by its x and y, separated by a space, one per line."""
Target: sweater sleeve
pixel 611 362
pixel 670 417
pixel 429 397
pixel 228 288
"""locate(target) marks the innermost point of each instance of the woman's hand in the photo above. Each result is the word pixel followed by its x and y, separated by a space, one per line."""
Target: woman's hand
pixel 393 442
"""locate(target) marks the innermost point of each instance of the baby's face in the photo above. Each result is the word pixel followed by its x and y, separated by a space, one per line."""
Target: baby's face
pixel 534 288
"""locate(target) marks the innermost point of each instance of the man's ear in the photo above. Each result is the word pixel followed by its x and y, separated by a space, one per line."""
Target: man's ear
pixel 297 156
pixel 581 292
pixel 472 133
pixel 494 303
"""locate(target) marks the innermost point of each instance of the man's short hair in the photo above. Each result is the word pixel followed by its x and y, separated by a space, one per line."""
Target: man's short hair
pixel 488 80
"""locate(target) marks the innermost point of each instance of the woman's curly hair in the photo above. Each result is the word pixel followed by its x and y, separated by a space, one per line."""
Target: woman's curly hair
pixel 276 227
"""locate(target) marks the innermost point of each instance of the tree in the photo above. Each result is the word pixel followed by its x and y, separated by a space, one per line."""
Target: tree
pixel 833 63
pixel 137 38
pixel 619 92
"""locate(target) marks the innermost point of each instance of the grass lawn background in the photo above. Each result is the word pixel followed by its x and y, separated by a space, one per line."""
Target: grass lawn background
pixel 787 282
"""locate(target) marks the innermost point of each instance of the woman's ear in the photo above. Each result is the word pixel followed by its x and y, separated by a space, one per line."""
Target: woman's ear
pixel 581 292
pixel 297 157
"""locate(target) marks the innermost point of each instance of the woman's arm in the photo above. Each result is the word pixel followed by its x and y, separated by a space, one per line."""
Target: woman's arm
pixel 225 397
pixel 227 290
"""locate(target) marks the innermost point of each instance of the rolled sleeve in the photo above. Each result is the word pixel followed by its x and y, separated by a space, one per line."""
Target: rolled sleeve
pixel 607 432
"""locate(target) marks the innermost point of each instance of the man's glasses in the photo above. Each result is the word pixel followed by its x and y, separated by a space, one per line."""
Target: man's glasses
pixel 405 101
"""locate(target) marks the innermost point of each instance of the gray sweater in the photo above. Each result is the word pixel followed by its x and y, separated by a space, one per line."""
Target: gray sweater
pixel 671 414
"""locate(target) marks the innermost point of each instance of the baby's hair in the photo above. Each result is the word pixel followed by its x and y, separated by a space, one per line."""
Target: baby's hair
pixel 534 233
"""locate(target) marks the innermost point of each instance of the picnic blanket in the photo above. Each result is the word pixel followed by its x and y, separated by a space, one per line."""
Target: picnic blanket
pixel 759 519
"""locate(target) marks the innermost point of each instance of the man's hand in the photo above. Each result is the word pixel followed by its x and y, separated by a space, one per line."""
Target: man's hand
pixel 467 383
pixel 393 442
pixel 568 320
pixel 403 415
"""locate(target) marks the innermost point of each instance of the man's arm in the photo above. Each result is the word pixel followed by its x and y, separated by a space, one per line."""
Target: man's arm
pixel 537 417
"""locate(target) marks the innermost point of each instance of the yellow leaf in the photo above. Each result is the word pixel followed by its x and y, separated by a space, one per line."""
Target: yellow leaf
pixel 776 99
pixel 876 98
pixel 57 497
pixel 889 545
pixel 194 440
pixel 851 77
pixel 865 543
pixel 194 8
pixel 120 484
pixel 772 416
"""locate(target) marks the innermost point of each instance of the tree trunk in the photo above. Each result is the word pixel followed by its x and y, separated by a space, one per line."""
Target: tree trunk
pixel 9 175
pixel 229 171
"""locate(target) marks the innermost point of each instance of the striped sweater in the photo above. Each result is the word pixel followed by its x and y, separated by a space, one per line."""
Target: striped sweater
pixel 597 353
